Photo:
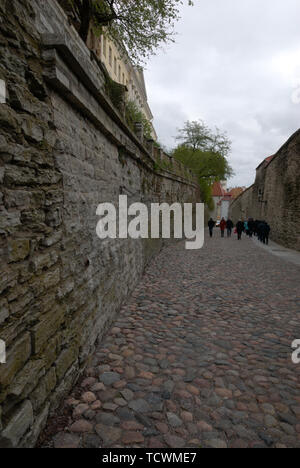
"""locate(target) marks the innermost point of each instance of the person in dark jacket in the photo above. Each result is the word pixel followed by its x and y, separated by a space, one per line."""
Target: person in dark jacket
pixel 239 229
pixel 265 233
pixel 256 223
pixel 260 230
pixel 229 226
pixel 211 225
pixel 251 227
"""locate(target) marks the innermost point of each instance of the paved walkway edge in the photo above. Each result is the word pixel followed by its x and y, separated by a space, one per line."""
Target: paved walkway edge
pixel 289 255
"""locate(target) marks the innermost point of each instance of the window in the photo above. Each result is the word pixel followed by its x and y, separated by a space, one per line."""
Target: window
pixel 123 79
pixel 104 46
pixel 115 65
pixel 119 73
pixel 110 57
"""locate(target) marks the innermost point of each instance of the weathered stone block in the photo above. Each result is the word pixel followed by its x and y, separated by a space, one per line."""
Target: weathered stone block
pixel 43 158
pixel 51 278
pixel 17 355
pixel 54 217
pixel 9 119
pixel 44 281
pixel 4 312
pixel 66 288
pixel 2 92
pixel 19 305
pixel 18 249
pixel 39 424
pixel 7 278
pixel 66 384
pixel 18 175
pixel 17 426
pixel 16 293
pixel 65 361
pixel 40 262
pixel 52 239
pixel 53 196
pixel 34 217
pixel 53 349
pixel 46 328
pixel 21 99
pixel 17 198
pixel 43 389
pixel 9 220
pixel 33 131
pixel 26 379
pixel 47 177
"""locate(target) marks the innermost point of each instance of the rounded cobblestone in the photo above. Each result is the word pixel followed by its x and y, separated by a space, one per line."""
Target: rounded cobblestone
pixel 199 356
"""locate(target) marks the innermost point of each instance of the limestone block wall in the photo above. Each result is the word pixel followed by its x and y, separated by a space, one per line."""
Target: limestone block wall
pixel 63 150
pixel 275 195
pixel 242 207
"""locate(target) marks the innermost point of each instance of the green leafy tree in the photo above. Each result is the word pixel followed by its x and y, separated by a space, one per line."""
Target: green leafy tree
pixel 205 152
pixel 198 136
pixel 208 165
pixel 139 27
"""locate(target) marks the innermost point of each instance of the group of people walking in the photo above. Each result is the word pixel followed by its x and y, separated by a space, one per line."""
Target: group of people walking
pixel 258 228
pixel 262 231
pixel 228 225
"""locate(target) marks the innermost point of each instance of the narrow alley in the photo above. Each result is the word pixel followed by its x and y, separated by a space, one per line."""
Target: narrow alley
pixel 199 357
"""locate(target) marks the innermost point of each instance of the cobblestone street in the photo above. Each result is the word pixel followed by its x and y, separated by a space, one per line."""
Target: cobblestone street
pixel 199 357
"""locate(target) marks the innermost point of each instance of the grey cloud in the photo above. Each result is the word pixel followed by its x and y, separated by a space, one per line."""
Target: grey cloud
pixel 235 65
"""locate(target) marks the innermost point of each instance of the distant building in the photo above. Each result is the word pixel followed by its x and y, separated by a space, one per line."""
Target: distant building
pixel 275 194
pixel 222 199
pixel 236 191
pixel 121 70
pixel 225 204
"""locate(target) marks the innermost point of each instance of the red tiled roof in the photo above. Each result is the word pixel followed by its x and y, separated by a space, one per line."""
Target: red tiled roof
pixel 269 158
pixel 217 190
pixel 227 197
pixel 236 191
pixel 266 160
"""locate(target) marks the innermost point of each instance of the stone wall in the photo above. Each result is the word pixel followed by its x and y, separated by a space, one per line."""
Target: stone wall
pixel 242 206
pixel 275 195
pixel 63 150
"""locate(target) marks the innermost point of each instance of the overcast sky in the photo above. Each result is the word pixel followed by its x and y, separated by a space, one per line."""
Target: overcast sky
pixel 236 65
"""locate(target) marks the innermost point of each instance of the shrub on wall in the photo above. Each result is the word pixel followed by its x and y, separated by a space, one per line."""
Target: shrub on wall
pixel 134 115
pixel 116 93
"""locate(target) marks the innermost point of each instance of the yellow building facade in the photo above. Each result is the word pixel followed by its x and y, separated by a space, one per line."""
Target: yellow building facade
pixel 122 71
